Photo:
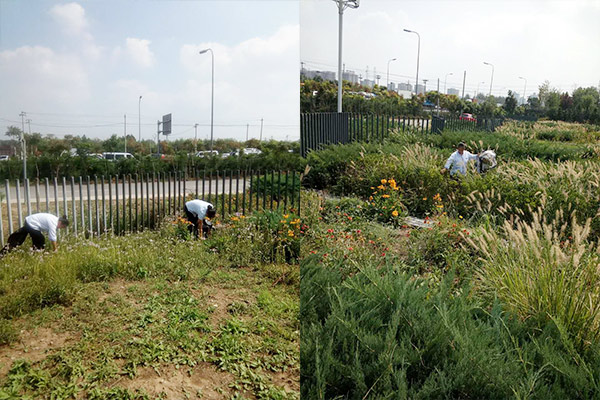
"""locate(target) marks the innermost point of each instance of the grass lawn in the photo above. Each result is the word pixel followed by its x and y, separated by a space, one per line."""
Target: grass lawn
pixel 149 315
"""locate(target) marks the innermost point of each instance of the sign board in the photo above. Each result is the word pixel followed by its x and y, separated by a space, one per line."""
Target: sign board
pixel 166 124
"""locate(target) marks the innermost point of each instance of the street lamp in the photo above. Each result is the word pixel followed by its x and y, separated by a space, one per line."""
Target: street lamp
pixel 418 53
pixel 524 89
pixel 342 5
pixel 450 73
pixel 387 83
pixel 140 119
pixel 492 81
pixel 212 93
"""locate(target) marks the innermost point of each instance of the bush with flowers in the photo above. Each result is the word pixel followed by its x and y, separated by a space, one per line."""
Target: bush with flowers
pixel 385 203
pixel 269 236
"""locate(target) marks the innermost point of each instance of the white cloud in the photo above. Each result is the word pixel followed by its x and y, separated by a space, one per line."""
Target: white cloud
pixel 137 51
pixel 38 76
pixel 256 78
pixel 71 18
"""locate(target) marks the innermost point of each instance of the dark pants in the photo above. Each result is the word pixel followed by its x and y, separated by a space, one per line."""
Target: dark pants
pixel 18 237
pixel 193 228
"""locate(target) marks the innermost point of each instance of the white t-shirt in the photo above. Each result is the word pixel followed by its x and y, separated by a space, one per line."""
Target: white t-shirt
pixel 198 207
pixel 44 222
pixel 458 163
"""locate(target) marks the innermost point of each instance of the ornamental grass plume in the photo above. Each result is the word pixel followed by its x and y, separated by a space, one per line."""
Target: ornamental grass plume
pixel 541 277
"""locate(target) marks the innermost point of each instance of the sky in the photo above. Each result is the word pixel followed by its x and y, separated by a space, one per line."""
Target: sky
pixel 536 40
pixel 80 67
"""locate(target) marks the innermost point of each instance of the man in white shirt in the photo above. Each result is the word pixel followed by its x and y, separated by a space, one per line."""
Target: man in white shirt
pixel 197 211
pixel 457 162
pixel 35 224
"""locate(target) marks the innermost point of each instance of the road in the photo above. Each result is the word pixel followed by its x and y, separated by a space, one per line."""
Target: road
pixel 190 188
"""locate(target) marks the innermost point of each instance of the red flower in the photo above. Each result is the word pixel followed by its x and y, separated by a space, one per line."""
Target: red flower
pixel 382 254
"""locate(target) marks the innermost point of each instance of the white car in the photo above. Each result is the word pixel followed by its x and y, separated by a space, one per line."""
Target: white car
pixel 115 156
pixel 251 150
pixel 4 157
pixel 207 153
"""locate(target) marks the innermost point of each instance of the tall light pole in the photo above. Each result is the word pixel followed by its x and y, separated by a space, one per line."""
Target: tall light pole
pixel 387 81
pixel 445 79
pixel 342 5
pixel 524 89
pixel 418 54
pixel 477 91
pixel 212 96
pixel 23 145
pixel 140 119
pixel 492 80
pixel 195 138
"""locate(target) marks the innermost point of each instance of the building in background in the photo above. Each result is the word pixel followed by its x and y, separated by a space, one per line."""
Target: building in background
pixel 453 91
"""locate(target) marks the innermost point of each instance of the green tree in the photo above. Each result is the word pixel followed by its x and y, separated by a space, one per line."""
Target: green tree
pixel 510 103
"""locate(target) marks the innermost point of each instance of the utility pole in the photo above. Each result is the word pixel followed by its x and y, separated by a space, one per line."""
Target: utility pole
pixel 125 131
pixel 158 137
pixel 23 145
pixel 261 126
pixel 464 80
pixel 438 97
pixel 195 138
pixel 247 128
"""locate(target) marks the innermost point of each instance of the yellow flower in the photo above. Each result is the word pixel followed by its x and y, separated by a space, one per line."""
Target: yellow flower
pixel 383 181
pixel 385 196
pixel 424 198
pixel 440 206
pixel 392 182
pixel 290 233
pixel 286 216
pixel 370 198
pixel 437 197
pixel 460 216
pixel 395 213
pixel 381 187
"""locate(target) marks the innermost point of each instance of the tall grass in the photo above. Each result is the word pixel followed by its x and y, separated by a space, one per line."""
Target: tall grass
pixel 543 277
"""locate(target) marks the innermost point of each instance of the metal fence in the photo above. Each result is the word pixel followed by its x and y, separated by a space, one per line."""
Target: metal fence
pixel 132 203
pixel 320 129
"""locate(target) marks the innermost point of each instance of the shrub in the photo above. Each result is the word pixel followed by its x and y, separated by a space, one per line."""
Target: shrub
pixel 542 276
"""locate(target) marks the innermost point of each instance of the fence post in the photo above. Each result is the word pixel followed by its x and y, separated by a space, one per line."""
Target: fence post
pixel 293 188
pixel 96 205
pixel 154 202
pixel 278 189
pixel 141 202
pixel 89 201
pixel 81 207
pixel 285 197
pixel 135 181
pixel 164 196
pixel 237 192
pixel 230 189
pixel 223 193
pixel 147 221
pixel 8 206
pixel 251 191
pixel 118 222
pixel 37 195
pixel 1 227
pixel 47 195
pixel 130 203
pixel 123 183
pixel 257 189
pixel 265 191
pixel 19 209
pixel 74 205
pixel 244 192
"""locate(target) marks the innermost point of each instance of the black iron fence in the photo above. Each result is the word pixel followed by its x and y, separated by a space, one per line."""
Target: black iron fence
pixel 132 203
pixel 320 129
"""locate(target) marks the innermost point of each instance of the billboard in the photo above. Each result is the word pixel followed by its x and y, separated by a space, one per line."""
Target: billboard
pixel 166 124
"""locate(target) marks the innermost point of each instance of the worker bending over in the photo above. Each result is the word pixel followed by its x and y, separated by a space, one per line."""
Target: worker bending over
pixel 35 224
pixel 199 213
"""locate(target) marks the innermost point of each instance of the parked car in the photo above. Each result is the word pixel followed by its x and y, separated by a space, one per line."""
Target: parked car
pixel 4 157
pixel 115 156
pixel 96 155
pixel 207 153
pixel 250 150
pixel 467 117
